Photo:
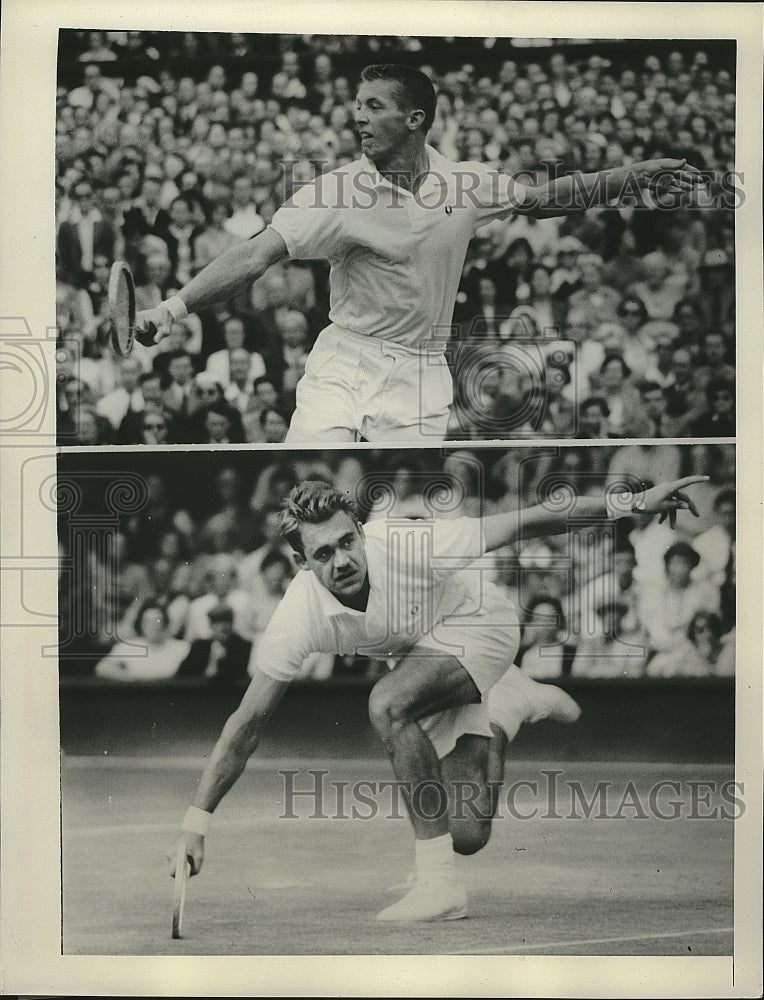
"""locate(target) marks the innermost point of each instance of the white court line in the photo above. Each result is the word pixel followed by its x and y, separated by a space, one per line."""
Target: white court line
pixel 608 940
pixel 115 763
pixel 186 763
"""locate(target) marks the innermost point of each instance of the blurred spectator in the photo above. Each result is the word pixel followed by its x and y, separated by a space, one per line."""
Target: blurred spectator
pixel 156 658
pixel 244 222
pixel 659 295
pixel 618 390
pixel 668 605
pixel 705 652
pixel 542 654
pixel 605 653
pixel 224 657
pixel 221 588
pixel 219 362
pixel 83 236
pixel 275 425
pixel 719 419
pixel 716 545
pixel 685 400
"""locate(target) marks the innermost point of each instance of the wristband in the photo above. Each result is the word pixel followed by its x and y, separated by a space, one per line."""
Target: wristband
pixel 197 821
pixel 176 307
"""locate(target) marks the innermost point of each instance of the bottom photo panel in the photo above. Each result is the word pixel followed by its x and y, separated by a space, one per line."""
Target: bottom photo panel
pixel 338 695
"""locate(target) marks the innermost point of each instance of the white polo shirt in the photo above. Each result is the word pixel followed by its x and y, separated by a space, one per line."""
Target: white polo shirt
pixel 396 256
pixel 417 578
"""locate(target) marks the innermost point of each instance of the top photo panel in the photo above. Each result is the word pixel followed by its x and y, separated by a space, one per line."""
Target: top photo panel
pixel 314 239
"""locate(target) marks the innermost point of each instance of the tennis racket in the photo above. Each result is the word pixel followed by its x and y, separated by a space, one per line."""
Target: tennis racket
pixel 122 308
pixel 182 872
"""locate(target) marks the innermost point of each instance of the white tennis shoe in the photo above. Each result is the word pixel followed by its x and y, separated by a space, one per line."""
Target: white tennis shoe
pixel 429 901
pixel 518 699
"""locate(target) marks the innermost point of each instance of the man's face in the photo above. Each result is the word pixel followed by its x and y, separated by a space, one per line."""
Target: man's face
pixel 654 404
pixel 721 401
pixel 233 332
pixel 180 369
pixel 381 123
pixel 217 426
pixel 335 552
pixel 266 393
pixel 681 365
pixel 592 421
pixel 274 428
pixel 239 365
pixel 714 348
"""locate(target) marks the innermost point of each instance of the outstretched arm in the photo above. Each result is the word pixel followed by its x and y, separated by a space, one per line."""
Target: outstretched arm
pixel 223 278
pixel 577 192
pixel 237 742
pixel 665 499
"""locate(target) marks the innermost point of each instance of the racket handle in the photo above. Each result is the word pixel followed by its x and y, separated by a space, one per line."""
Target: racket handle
pixel 146 337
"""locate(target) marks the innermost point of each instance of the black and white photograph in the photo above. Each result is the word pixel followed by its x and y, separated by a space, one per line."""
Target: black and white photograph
pixel 384 431
pixel 468 617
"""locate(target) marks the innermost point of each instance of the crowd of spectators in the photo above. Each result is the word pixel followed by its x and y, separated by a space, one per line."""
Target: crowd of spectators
pixel 171 147
pixel 197 573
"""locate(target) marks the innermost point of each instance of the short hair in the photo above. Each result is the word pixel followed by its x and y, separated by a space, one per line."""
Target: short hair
pixel 312 502
pixel 719 384
pixel 414 89
pixel 682 550
pixel 599 401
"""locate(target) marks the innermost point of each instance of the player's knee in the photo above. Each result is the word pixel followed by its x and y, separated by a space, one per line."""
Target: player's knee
pixel 386 710
pixel 471 837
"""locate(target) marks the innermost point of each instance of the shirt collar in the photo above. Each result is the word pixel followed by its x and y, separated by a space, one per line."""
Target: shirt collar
pixel 435 173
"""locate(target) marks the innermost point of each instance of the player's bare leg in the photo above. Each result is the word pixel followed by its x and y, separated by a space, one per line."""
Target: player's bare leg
pixel 418 687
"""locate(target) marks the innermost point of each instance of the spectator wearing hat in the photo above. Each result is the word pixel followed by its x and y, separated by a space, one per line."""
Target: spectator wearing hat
pixel 668 605
pixel 222 658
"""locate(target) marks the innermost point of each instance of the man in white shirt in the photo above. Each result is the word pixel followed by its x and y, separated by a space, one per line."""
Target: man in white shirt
pixel 395 226
pixel 407 591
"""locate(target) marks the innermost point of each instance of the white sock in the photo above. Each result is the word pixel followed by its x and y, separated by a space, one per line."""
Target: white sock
pixel 435 858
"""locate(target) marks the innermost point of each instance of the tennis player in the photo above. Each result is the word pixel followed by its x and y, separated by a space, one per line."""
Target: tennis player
pixel 394 225
pixel 408 590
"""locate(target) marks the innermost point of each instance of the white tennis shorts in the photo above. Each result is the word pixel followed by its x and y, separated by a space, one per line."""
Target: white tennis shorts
pixel 486 645
pixel 357 386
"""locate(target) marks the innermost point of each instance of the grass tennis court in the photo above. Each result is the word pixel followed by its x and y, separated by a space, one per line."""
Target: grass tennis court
pixel 543 886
